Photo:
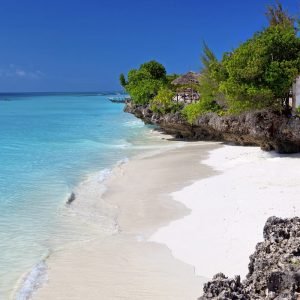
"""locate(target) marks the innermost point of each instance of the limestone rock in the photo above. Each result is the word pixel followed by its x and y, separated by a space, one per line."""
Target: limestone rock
pixel 274 268
pixel 271 130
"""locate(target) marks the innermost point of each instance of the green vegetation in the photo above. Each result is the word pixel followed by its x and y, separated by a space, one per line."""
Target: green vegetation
pixel 193 111
pixel 170 78
pixel 163 102
pixel 211 98
pixel 277 16
pixel 144 83
pixel 123 81
pixel 261 71
pixel 258 74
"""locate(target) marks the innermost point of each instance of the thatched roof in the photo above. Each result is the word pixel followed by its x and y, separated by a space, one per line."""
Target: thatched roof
pixel 188 78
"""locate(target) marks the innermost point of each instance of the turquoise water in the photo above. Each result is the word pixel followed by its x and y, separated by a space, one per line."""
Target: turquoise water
pixel 48 144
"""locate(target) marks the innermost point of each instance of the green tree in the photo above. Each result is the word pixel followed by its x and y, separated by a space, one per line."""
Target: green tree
pixel 261 71
pixel 123 81
pixel 276 15
pixel 258 74
pixel 207 57
pixel 155 69
pixel 212 74
pixel 144 83
pixel 211 98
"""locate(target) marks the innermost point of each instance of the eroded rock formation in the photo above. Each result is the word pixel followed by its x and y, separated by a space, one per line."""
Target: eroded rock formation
pixel 274 268
pixel 270 130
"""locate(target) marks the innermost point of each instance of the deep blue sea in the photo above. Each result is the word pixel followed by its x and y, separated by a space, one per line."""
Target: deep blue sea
pixel 48 144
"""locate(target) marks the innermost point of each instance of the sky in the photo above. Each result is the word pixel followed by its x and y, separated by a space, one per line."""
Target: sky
pixel 83 45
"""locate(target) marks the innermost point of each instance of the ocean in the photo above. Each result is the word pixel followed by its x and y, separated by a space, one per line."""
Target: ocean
pixel 49 144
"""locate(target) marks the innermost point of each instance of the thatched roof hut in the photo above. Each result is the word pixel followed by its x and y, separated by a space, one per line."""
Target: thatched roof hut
pixel 187 79
pixel 185 91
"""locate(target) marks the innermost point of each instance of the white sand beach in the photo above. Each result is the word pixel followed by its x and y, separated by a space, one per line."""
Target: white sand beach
pixel 229 210
pixel 122 263
pixel 182 215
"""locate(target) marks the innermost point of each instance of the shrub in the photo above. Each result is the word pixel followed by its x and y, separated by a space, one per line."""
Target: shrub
pixel 163 103
pixel 193 111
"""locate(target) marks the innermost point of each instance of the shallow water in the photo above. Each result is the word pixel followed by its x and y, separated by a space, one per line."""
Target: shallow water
pixel 49 143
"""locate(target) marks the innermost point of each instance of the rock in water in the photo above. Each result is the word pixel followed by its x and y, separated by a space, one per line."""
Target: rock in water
pixel 71 198
pixel 274 268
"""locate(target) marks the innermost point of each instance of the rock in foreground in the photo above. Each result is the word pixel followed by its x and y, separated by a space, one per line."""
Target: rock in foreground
pixel 274 268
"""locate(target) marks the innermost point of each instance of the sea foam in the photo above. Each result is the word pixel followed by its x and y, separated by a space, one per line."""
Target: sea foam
pixel 32 281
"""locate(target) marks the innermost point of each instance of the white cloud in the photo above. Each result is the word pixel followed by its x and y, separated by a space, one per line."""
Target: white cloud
pixel 18 72
pixel 21 73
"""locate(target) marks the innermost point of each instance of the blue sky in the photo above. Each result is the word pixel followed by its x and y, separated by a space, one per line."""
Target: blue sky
pixel 83 45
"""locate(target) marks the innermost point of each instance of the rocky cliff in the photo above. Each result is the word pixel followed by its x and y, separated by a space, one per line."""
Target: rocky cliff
pixel 274 268
pixel 268 129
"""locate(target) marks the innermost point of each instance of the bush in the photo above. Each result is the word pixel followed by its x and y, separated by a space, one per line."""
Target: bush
pixel 193 111
pixel 163 103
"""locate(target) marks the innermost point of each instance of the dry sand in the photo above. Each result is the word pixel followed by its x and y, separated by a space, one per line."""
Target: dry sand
pixel 123 264
pixel 229 210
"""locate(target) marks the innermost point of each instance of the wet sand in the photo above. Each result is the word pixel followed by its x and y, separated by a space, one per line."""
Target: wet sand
pixel 123 264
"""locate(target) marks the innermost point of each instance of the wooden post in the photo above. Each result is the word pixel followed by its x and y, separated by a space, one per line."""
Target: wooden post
pixel 294 99
pixel 192 92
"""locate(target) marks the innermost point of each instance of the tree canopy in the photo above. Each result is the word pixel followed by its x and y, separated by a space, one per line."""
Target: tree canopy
pixel 257 74
pixel 262 70
pixel 123 80
pixel 144 83
pixel 276 15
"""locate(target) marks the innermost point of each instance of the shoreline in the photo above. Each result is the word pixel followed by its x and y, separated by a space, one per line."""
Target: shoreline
pixel 182 237
pixel 32 279
pixel 134 232
pixel 269 129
